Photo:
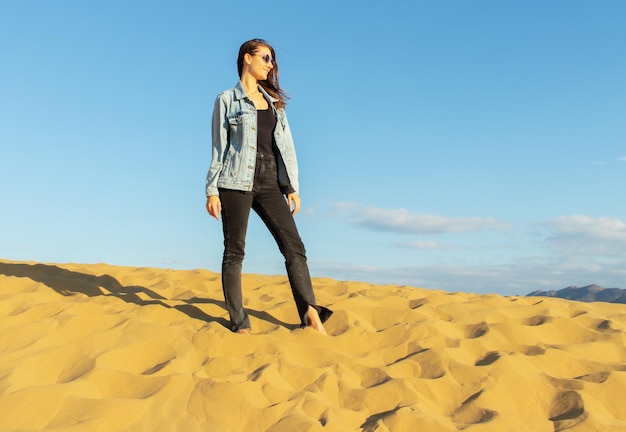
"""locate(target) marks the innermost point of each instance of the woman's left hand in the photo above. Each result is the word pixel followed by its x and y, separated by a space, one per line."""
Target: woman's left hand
pixel 294 203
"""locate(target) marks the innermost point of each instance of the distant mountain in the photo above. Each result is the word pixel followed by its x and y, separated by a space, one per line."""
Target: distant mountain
pixel 589 293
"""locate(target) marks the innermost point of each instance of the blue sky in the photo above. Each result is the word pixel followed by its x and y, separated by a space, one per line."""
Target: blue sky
pixel 465 146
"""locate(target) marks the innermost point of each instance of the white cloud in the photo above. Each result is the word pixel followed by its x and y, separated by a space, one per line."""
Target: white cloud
pixel 514 278
pixel 429 245
pixel 586 228
pixel 403 221
pixel 593 245
pixel 576 250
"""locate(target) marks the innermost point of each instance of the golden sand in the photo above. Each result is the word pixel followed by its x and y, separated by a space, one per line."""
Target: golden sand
pixel 105 348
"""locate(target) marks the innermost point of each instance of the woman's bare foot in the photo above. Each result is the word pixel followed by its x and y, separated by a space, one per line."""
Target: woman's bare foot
pixel 314 321
pixel 243 331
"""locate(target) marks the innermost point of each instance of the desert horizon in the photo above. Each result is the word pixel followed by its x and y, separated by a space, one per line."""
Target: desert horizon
pixel 112 348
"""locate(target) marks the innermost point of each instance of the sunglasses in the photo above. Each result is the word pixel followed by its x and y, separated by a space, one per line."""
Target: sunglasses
pixel 267 59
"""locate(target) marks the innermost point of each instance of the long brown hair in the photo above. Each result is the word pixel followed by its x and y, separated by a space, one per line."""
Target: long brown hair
pixel 270 85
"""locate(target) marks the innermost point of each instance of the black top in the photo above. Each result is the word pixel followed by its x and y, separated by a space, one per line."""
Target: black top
pixel 265 131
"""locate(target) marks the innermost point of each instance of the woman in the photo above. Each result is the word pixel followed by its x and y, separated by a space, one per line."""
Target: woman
pixel 254 166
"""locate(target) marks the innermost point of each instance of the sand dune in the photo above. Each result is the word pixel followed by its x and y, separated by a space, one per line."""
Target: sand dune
pixel 105 348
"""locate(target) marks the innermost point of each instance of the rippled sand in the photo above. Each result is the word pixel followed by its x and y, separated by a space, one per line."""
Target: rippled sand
pixel 105 348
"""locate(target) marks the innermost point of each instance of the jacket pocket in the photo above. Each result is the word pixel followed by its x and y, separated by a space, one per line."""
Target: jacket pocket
pixel 239 118
pixel 240 123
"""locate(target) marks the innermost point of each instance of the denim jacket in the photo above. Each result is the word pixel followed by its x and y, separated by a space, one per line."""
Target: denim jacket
pixel 235 144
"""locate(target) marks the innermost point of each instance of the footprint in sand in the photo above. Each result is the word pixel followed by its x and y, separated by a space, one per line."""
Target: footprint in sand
pixel 567 410
pixel 597 378
pixel 537 320
pixel 605 326
pixel 417 303
pixel 534 351
pixel 476 330
pixel 431 363
pixel 468 413
pixel 487 359
pixel 266 298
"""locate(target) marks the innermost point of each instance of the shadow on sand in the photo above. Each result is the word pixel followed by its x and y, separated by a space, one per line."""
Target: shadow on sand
pixel 67 282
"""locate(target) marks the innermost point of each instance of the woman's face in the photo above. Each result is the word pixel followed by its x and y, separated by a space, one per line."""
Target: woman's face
pixel 260 63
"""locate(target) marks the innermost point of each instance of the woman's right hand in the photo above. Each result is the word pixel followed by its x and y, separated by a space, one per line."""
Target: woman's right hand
pixel 214 206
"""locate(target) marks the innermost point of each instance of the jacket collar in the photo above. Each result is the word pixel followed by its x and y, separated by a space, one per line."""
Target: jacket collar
pixel 240 93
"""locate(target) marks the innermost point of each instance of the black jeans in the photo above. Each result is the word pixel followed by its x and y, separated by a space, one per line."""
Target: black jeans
pixel 269 203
